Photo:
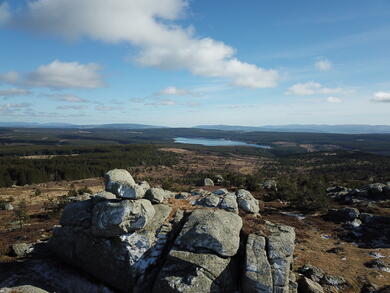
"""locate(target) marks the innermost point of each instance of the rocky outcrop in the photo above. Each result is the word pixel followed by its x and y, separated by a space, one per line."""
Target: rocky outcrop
pixel 363 195
pixel 140 245
pixel 23 289
pixel 268 260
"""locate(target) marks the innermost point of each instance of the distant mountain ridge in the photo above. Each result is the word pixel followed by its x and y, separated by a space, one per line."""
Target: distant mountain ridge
pixel 342 129
pixel 307 128
pixel 70 125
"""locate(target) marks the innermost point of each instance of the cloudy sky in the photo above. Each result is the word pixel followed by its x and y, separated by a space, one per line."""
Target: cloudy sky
pixel 184 63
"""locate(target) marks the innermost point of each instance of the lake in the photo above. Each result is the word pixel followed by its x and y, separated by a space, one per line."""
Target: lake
pixel 217 142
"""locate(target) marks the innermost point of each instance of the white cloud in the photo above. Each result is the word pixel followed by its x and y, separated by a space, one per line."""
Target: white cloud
pixel 174 91
pixel 381 97
pixel 13 107
pixel 334 100
pixel 14 92
pixel 312 88
pixel 72 107
pixel 59 75
pixel 103 108
pixel 66 98
pixel 148 25
pixel 4 13
pixel 166 102
pixel 323 65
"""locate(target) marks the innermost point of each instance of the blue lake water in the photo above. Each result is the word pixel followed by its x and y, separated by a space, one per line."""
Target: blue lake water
pixel 217 142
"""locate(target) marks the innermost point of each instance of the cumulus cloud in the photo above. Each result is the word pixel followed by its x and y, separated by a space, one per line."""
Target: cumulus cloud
pixel 334 100
pixel 312 88
pixel 58 75
pixel 150 26
pixel 381 97
pixel 323 65
pixel 66 98
pixel 13 92
pixel 4 13
pixel 72 107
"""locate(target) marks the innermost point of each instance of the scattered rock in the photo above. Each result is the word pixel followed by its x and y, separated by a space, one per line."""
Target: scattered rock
pixel 270 185
pixel 21 249
pixel 378 264
pixel 247 202
pixel 221 191
pixel 343 215
pixel 208 182
pixel 312 272
pixel 308 286
pixel 210 200
pixel 8 207
pixel 335 281
pixel 229 203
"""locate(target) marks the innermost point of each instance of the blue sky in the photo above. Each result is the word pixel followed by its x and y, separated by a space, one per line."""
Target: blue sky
pixel 184 63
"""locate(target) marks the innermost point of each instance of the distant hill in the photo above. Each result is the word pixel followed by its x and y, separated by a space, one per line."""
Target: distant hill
pixel 342 129
pixel 69 125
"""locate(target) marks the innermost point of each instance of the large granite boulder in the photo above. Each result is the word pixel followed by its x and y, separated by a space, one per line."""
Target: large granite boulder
pixel 112 219
pixel 208 230
pixel 247 202
pixel 23 289
pixel 78 213
pixel 258 271
pixel 268 260
pixel 200 260
pixel 122 184
pixel 229 203
pixel 118 259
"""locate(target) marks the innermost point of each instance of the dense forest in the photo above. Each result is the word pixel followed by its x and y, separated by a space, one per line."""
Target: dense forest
pixel 71 163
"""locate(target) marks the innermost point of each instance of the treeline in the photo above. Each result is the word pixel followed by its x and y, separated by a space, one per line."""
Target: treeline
pixel 90 162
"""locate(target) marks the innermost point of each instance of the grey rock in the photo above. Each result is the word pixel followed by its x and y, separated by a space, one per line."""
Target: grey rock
pixel 258 271
pixel 208 182
pixel 229 203
pixel 335 281
pixel 211 230
pixel 210 200
pixel 312 272
pixel 188 272
pixel 280 249
pixel 221 191
pixel 122 184
pixel 308 286
pixel 144 185
pixel 118 261
pixel 8 207
pixel 112 219
pixel 270 185
pixel 23 289
pixel 343 215
pixel 199 192
pixel 77 213
pixel 247 202
pixel 21 249
pixel 155 195
pixel 183 195
pixel 219 179
pixel 379 265
pixel 103 196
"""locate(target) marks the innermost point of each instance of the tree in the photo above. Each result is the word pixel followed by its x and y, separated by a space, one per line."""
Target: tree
pixel 20 213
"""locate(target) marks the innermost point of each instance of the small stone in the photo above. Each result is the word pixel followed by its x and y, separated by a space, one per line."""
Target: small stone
pixel 21 249
pixel 308 286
